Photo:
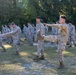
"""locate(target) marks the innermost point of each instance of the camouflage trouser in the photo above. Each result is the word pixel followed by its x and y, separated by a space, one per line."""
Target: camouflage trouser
pixel 18 39
pixel 25 35
pixel 72 39
pixel 61 45
pixel 35 37
pixel 40 49
pixel 8 40
pixel 30 39
pixel 15 44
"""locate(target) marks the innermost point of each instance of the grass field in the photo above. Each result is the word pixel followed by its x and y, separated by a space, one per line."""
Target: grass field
pixel 23 64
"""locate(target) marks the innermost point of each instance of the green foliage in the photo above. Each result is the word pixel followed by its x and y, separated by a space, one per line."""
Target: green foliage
pixel 22 11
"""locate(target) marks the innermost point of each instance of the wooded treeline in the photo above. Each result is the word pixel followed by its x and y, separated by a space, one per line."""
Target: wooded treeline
pixel 23 11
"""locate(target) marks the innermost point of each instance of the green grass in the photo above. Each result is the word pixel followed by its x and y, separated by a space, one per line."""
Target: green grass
pixel 11 64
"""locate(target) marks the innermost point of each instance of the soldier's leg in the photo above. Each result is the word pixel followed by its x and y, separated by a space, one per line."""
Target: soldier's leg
pixel 61 47
pixel 1 44
pixel 51 38
pixel 7 40
pixel 39 48
pixel 70 41
pixel 31 41
pixel 24 36
pixel 35 37
pixel 46 38
pixel 36 59
pixel 15 44
pixel 73 39
pixel 42 51
pixel 19 39
pixel 10 40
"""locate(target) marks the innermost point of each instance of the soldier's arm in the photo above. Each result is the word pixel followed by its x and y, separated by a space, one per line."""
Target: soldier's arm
pixel 12 32
pixel 54 25
pixel 59 26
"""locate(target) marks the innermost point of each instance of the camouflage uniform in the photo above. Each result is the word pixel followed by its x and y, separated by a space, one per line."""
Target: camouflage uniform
pixel 15 35
pixel 25 31
pixel 3 29
pixel 72 34
pixel 19 35
pixel 30 34
pixel 61 39
pixel 40 49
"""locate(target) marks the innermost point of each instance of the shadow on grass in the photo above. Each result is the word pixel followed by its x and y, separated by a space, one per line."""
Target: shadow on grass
pixel 16 65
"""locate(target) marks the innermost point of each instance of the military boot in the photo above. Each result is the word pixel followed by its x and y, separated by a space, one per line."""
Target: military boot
pixel 42 57
pixel 70 46
pixel 61 66
pixel 36 59
pixel 17 53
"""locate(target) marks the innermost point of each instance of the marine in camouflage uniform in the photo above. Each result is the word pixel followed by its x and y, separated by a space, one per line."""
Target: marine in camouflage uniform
pixel 25 29
pixel 30 34
pixel 15 35
pixel 71 35
pixel 40 50
pixel 61 39
pixel 19 34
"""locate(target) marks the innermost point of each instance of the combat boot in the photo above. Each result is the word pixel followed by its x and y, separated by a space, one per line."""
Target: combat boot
pixel 42 57
pixel 17 53
pixel 61 66
pixel 36 59
pixel 70 46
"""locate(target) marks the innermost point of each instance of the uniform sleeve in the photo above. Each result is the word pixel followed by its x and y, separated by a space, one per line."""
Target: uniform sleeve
pixel 55 25
pixel 59 26
pixel 13 32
